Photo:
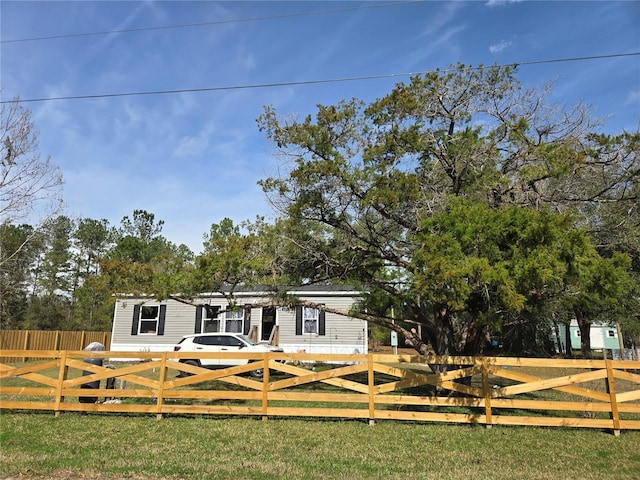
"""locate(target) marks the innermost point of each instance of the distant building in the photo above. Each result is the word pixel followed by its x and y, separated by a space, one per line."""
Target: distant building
pixel 602 335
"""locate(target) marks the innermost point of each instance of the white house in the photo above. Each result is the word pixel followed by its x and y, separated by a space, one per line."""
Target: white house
pixel 146 324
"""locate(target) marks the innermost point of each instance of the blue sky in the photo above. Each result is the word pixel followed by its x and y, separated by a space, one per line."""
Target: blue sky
pixel 193 159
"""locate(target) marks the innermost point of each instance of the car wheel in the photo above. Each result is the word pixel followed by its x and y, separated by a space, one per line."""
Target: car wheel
pixel 257 373
pixel 189 362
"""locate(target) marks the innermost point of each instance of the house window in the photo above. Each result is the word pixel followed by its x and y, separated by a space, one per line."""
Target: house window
pixel 310 320
pixel 211 320
pixel 148 319
pixel 233 321
pixel 149 316
pixel 611 333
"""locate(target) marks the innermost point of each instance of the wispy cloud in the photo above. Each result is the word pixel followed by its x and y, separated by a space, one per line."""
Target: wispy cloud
pixel 500 47
pixel 247 60
pixel 634 97
pixel 500 3
pixel 441 35
pixel 196 144
pixel 442 19
pixel 445 40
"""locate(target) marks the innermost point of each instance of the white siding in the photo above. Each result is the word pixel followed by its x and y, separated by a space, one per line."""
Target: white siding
pixel 179 321
pixel 342 334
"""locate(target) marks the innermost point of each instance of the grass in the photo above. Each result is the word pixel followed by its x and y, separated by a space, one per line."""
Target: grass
pixel 106 447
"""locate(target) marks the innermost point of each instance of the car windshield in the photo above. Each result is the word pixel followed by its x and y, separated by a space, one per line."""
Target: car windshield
pixel 247 339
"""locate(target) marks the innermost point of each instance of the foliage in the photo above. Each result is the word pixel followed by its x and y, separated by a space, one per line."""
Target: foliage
pixel 441 195
pixel 92 240
pixel 65 275
pixel 14 272
pixel 142 260
pixel 93 306
pixel 54 272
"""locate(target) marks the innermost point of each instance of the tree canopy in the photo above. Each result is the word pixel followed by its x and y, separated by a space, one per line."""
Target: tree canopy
pixel 450 195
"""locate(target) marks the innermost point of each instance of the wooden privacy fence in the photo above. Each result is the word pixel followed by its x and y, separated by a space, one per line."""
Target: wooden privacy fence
pixel 602 394
pixel 48 340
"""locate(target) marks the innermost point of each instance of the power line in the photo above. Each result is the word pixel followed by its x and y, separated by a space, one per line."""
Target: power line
pixel 577 59
pixel 302 82
pixel 207 24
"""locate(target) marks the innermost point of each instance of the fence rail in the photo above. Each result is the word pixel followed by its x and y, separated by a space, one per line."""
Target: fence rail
pixel 602 394
pixel 48 340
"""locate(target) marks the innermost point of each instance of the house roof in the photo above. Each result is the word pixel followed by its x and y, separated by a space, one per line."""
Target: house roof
pixel 264 290
pixel 314 289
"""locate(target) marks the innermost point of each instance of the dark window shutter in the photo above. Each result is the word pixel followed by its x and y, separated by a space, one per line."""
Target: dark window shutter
pixel 161 318
pixel 198 326
pixel 298 320
pixel 136 319
pixel 321 322
pixel 247 320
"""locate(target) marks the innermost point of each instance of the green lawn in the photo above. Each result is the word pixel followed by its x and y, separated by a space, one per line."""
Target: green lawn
pixel 99 446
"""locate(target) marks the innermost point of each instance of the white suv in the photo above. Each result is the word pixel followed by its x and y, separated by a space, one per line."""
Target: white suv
pixel 221 342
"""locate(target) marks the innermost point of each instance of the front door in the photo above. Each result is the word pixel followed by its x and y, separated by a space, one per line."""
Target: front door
pixel 268 322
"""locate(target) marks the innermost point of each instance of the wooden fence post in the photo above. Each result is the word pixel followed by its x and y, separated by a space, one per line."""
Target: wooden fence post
pixel 163 377
pixel 611 390
pixel 486 390
pixel 26 343
pixel 265 387
pixel 371 383
pixel 62 375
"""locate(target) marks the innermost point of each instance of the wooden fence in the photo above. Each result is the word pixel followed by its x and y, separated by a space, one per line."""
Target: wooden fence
pixel 602 394
pixel 48 340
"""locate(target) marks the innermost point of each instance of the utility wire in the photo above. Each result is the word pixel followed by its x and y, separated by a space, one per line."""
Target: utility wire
pixel 304 82
pixel 206 24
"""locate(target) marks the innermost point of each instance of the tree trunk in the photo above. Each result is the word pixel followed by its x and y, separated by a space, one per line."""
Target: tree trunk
pixel 472 339
pixel 567 341
pixel 441 337
pixel 585 333
pixel 556 330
